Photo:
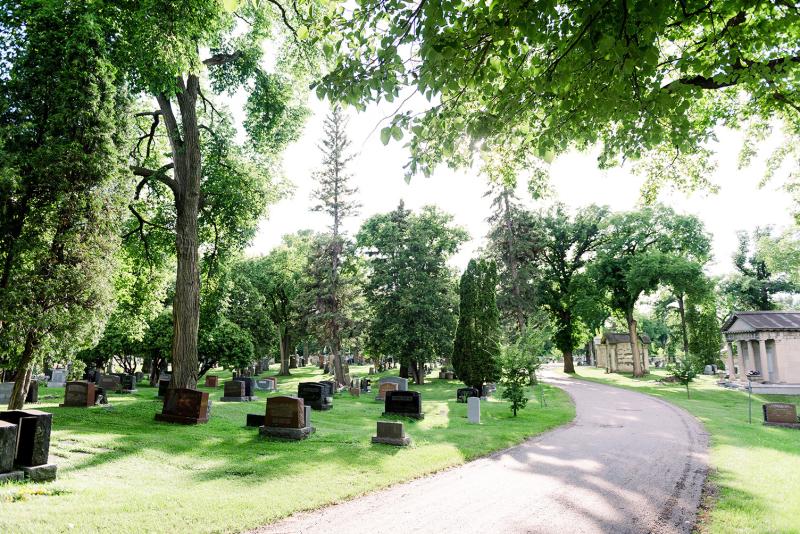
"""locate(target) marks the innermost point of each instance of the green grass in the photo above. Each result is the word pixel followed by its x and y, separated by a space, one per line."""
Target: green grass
pixel 120 471
pixel 755 468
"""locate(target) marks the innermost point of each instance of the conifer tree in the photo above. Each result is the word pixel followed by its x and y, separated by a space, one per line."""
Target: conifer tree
pixel 476 351
pixel 334 196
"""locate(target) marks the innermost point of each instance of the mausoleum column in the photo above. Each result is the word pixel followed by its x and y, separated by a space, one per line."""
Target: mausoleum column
pixel 729 363
pixel 743 353
pixel 762 353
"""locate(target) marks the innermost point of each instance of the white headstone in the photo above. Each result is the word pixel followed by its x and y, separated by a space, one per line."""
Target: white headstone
pixel 474 410
pixel 58 379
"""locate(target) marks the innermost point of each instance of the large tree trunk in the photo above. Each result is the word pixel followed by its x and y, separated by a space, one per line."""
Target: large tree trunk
pixel 284 347
pixel 569 364
pixel 417 372
pixel 24 373
pixel 684 333
pixel 404 371
pixel 185 143
pixel 634 334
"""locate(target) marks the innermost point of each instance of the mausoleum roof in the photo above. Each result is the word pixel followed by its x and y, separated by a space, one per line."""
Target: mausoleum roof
pixel 756 321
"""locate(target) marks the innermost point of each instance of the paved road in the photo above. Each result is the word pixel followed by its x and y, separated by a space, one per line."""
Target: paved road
pixel 628 464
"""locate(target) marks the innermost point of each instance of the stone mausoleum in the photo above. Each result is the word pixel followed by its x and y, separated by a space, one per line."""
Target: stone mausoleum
pixel 614 352
pixel 764 345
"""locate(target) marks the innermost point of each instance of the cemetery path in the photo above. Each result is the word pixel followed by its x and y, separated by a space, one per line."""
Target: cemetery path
pixel 629 463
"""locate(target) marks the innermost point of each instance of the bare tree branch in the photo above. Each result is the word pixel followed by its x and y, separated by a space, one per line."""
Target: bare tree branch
pixel 158 174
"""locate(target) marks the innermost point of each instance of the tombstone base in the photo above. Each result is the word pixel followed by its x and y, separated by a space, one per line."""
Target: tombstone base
pixel 238 399
pixel 286 433
pixel 783 425
pixel 255 420
pixel 167 418
pixel 405 441
pixel 12 475
pixel 398 414
pixel 40 473
pixel 321 407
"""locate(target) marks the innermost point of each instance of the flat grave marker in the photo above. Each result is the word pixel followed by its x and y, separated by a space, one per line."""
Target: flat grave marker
pixel 780 414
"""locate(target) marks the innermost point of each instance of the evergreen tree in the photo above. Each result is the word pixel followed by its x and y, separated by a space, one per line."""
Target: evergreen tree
pixel 476 350
pixel 512 243
pixel 705 339
pixel 334 195
pixel 61 183
pixel 410 291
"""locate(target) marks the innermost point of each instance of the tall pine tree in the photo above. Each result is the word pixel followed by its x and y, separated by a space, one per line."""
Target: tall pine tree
pixel 334 196
pixel 476 351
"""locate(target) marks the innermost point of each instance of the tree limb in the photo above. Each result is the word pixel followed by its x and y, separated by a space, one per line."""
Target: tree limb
pixel 158 174
pixel 222 58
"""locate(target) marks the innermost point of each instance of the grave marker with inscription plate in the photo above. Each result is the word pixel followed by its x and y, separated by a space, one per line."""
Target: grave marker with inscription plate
pixel 780 414
pixel 286 419
pixel 404 403
pixel 79 394
pixel 185 406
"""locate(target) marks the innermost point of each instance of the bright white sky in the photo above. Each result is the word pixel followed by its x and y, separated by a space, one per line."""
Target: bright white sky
pixel 378 173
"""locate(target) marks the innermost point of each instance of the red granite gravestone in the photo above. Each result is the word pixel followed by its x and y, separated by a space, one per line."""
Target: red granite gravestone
pixel 285 412
pixel 780 414
pixel 286 419
pixel 79 393
pixel 384 389
pixel 212 381
pixel 184 406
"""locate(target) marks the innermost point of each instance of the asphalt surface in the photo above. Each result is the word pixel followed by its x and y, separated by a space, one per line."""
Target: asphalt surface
pixel 629 463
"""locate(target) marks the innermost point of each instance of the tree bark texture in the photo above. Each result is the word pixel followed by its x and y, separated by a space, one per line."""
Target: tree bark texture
pixel 24 373
pixel 634 335
pixel 185 143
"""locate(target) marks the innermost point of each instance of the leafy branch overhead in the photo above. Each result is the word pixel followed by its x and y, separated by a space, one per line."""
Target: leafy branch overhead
pixel 538 78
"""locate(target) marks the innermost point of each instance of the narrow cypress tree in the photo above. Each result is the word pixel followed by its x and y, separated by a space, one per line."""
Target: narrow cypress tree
pixel 476 350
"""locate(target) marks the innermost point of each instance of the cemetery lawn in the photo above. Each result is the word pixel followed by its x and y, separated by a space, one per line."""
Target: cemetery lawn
pixel 121 471
pixel 755 469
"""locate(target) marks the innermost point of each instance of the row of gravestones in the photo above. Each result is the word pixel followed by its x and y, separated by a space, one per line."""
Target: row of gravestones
pixel 290 417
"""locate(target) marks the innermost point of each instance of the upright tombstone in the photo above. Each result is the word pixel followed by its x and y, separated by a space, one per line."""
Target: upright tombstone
pixel 404 403
pixel 384 389
pixel 488 389
pixel 474 410
pixel 265 385
pixel 249 385
pixel 128 383
pixel 331 385
pixel 402 383
pixel 58 378
pixel 780 414
pixel 32 443
pixel 286 419
pixel 163 386
pixel 80 393
pixel 366 385
pixel 185 406
pixel 5 391
pixel 111 383
pixel 355 391
pixel 315 395
pixel 391 433
pixel 462 394
pixel 8 451
pixel 212 381
pixel 236 391
pixel 33 392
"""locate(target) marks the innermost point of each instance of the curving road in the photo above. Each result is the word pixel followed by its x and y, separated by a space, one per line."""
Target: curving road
pixel 629 463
